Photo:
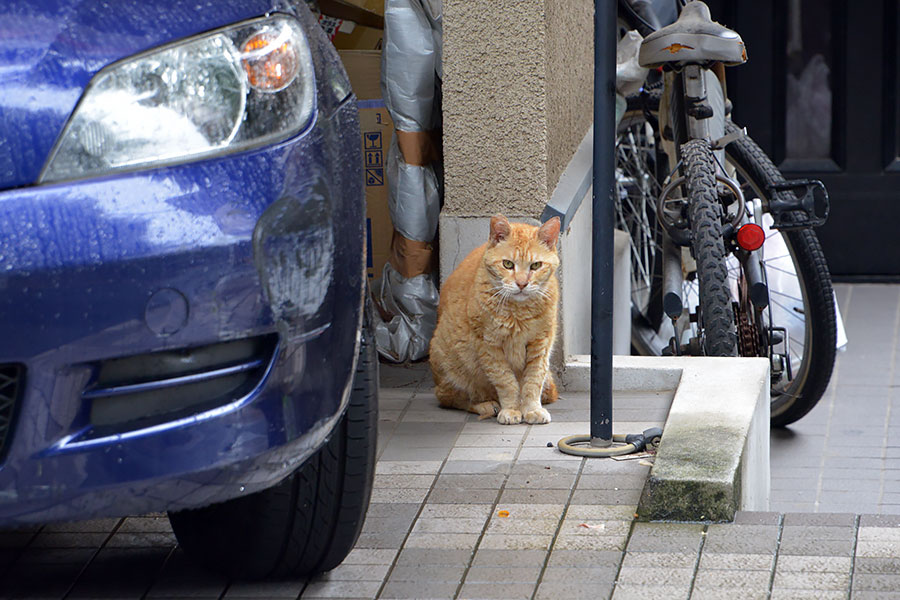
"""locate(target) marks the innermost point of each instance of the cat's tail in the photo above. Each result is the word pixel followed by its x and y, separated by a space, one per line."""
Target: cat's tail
pixel 549 394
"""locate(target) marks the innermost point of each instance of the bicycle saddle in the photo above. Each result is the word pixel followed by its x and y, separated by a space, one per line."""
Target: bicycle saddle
pixel 693 38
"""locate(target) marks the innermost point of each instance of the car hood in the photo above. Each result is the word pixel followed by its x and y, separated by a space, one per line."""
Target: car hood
pixel 52 49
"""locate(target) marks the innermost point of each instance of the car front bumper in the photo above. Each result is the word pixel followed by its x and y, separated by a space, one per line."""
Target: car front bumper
pixel 265 245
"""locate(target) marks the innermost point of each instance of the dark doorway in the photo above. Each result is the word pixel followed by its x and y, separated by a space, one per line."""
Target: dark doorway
pixel 820 95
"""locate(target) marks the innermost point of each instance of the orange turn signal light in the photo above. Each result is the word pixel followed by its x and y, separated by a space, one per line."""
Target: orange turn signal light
pixel 751 236
pixel 270 61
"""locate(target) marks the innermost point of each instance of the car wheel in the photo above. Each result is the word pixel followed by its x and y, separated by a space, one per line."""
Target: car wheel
pixel 309 522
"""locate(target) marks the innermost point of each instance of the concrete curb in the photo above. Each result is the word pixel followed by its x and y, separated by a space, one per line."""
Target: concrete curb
pixel 714 456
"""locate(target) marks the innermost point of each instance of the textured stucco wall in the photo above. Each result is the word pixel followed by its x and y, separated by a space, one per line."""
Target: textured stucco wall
pixel 516 100
pixel 570 80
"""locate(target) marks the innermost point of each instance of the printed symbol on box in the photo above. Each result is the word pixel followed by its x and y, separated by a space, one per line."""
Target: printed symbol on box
pixel 372 140
pixel 374 176
pixel 374 158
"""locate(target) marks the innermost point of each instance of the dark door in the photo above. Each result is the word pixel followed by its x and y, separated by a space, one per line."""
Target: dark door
pixel 820 95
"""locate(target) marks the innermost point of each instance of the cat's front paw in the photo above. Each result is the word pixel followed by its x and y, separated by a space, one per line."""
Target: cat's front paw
pixel 509 416
pixel 538 416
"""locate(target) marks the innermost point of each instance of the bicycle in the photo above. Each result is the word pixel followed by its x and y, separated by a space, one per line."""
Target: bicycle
pixel 724 259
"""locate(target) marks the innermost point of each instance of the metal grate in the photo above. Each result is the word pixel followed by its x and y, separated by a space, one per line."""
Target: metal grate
pixel 12 379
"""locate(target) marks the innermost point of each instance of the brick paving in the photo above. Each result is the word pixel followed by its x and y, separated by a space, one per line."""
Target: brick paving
pixel 435 527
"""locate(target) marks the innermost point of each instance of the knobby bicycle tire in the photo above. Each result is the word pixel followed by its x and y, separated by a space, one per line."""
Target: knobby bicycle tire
pixel 716 317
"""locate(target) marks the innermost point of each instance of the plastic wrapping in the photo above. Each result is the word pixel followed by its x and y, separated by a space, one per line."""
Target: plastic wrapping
pixel 406 294
pixel 630 75
pixel 410 303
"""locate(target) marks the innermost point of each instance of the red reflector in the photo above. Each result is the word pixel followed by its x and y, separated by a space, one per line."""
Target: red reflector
pixel 751 236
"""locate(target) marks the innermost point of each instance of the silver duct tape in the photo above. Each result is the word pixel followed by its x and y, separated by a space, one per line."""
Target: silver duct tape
pixel 411 62
pixel 413 304
pixel 413 197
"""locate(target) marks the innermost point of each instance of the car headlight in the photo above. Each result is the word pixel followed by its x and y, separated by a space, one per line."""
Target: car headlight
pixel 228 90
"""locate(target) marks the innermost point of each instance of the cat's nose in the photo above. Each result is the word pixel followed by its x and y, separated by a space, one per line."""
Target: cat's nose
pixel 522 284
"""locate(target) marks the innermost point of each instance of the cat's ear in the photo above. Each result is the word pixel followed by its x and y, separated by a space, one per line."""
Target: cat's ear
pixel 548 233
pixel 500 229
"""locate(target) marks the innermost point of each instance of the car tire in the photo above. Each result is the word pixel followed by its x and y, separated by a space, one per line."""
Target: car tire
pixel 309 522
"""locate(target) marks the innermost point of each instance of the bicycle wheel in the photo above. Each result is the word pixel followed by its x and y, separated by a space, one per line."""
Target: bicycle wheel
pixel 715 317
pixel 801 298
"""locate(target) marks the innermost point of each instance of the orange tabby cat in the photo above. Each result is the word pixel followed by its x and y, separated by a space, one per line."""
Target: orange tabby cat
pixel 490 353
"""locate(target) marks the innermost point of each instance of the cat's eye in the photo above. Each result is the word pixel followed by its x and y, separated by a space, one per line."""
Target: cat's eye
pixel 508 264
pixel 536 265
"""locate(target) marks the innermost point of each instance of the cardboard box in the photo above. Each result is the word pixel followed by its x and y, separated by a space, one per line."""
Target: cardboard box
pixel 365 12
pixel 347 35
pixel 364 69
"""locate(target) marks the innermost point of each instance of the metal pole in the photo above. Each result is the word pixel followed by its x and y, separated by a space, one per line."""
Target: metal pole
pixel 602 229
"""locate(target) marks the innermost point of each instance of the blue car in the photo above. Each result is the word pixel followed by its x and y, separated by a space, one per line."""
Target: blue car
pixel 182 318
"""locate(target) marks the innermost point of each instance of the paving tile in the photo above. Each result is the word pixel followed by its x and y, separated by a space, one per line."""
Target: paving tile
pixel 516 542
pixel 812 547
pixel 679 577
pixel 345 572
pixel 730 561
pixel 532 496
pixel 434 556
pixel 815 564
pixel 476 466
pixel 434 573
pixel 879 534
pixel 550 512
pixel 367 556
pixel 404 481
pixel 265 590
pixel 507 439
pixel 601 512
pixel 612 497
pixel 641 560
pixel 585 558
pixel 820 519
pixel 490 481
pixel 865 564
pixel 503 574
pixel 625 591
pixel 416 590
pixel 614 483
pixel 876 582
pixel 811 581
pixel 732 579
pixel 403 453
pixel 462 495
pixel 381 540
pixel 386 525
pixel 512 525
pixel 493 558
pixel 342 589
pixel 573 590
pixel 490 454
pixel 180 578
pixel 449 541
pixel 499 591
pixel 878 549
pixel 89 526
pixel 406 467
pixel 448 525
pixel 599 574
pixel 459 511
pixel 729 593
